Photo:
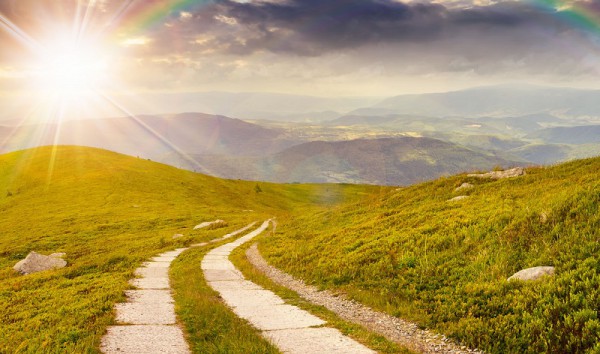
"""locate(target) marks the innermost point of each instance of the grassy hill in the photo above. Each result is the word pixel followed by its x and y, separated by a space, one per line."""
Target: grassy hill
pixel 414 254
pixel 109 212
pixel 407 251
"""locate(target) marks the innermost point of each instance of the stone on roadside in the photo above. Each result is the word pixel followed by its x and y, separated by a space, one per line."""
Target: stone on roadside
pixel 513 172
pixel 460 197
pixel 534 273
pixel 464 186
pixel 35 262
pixel 208 223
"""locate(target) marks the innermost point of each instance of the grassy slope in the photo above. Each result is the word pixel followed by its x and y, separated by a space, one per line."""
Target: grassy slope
pixel 444 264
pixel 109 213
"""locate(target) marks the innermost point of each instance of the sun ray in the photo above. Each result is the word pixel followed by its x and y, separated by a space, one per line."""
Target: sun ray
pixel 114 21
pixel 16 32
pixel 156 134
pixel 81 26
pixel 58 115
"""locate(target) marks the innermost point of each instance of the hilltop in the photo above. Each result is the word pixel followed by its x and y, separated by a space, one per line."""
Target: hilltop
pixel 109 212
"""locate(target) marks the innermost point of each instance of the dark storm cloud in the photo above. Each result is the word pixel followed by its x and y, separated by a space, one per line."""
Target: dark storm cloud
pixel 327 38
pixel 311 27
pixel 303 27
pixel 341 23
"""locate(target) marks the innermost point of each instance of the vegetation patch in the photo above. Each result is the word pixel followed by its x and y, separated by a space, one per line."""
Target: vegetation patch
pixel 108 213
pixel 211 327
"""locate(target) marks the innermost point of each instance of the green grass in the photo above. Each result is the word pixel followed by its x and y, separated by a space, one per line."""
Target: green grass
pixel 443 264
pixel 405 251
pixel 210 325
pixel 108 213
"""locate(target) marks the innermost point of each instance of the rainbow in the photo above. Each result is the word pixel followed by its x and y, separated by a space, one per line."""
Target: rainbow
pixel 584 15
pixel 139 16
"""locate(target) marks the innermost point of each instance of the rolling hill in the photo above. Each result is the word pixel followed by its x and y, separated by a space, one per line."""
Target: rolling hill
pixel 406 251
pixel 415 254
pixel 388 161
pixel 585 134
pixel 152 136
pixel 384 161
pixel 109 213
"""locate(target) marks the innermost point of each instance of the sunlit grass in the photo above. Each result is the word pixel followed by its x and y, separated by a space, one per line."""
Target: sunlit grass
pixel 444 264
pixel 108 213
pixel 211 327
pixel 355 331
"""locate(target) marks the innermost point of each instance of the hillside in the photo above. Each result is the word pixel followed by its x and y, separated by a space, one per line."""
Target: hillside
pixel 406 251
pixel 383 161
pixel 413 253
pixel 109 212
pixel 388 161
pixel 152 136
pixel 585 134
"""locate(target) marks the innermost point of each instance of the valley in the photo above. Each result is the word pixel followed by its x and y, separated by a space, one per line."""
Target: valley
pixel 402 148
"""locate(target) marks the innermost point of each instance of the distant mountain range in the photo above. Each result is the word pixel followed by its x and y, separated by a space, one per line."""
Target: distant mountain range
pixel 495 101
pixel 398 141
pixel 249 105
pixel 386 161
pixel 589 134
pixel 232 148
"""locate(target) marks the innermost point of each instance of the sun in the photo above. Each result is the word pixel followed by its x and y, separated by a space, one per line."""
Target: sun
pixel 70 69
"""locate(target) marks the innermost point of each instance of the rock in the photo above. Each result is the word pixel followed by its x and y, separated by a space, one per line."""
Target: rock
pixel 207 223
pixel 513 172
pixel 177 236
pixel 460 197
pixel 532 273
pixel 35 262
pixel 464 186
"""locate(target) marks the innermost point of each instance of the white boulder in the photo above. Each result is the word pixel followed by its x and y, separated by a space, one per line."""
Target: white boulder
pixel 513 172
pixel 460 197
pixel 35 262
pixel 534 273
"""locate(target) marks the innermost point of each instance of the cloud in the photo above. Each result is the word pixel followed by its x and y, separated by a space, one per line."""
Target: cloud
pixel 313 27
pixel 274 43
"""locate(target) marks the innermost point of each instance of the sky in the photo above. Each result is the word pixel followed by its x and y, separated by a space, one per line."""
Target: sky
pixel 310 47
